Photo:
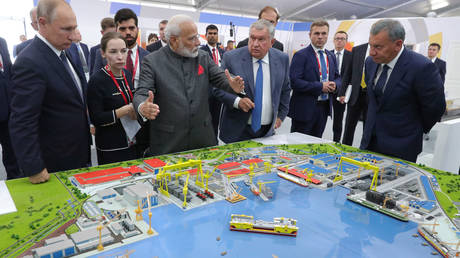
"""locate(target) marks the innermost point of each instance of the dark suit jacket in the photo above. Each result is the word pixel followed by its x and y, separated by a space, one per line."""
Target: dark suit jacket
pixel 306 85
pixel 221 52
pixel 278 45
pixel 346 62
pixel 49 121
pixel 354 73
pixel 154 46
pixel 73 53
pixel 441 64
pixel 5 77
pixel 413 101
pixel 101 62
pixel 239 62
pixel 93 52
pixel 23 45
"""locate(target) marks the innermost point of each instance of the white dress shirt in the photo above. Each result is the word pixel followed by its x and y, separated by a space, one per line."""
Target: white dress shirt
pixel 433 60
pixel 319 59
pixel 219 60
pixel 58 53
pixel 340 61
pixel 267 108
pixel 391 65
pixel 138 68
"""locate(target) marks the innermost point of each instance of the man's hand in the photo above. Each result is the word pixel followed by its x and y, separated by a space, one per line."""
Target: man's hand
pixel 342 99
pixel 148 109
pixel 328 87
pixel 278 123
pixel 236 82
pixel 246 104
pixel 41 177
pixel 332 86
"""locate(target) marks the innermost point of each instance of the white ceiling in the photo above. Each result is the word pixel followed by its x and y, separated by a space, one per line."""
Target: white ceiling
pixel 308 10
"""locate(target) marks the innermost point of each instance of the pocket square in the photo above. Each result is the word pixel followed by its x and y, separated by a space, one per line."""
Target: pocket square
pixel 200 69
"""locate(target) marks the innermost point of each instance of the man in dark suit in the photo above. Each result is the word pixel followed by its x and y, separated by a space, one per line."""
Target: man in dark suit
pixel 162 42
pixel 314 79
pixel 357 103
pixel 406 94
pixel 433 51
pixel 49 122
pixel 79 53
pixel 107 25
pixel 270 14
pixel 216 54
pixel 9 159
pixel 265 71
pixel 34 24
pixel 343 58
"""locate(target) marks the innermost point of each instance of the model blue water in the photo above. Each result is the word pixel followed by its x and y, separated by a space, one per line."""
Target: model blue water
pixel 329 226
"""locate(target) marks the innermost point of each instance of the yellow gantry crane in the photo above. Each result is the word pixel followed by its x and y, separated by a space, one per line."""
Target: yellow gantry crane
pixel 268 167
pixel 207 176
pixel 251 173
pixel 364 165
pixel 263 183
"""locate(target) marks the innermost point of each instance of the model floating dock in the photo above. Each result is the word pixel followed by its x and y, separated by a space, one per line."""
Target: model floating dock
pixel 279 226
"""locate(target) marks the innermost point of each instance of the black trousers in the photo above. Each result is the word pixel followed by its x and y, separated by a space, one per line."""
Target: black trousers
pixel 9 159
pixel 339 109
pixel 314 127
pixel 215 107
pixel 354 113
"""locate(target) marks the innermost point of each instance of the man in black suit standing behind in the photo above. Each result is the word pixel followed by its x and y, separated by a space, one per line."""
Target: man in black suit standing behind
pixel 216 54
pixel 162 42
pixel 107 25
pixel 433 50
pixel 343 57
pixel 270 14
pixel 357 104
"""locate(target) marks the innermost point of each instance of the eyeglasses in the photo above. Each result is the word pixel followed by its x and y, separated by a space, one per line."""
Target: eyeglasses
pixel 340 39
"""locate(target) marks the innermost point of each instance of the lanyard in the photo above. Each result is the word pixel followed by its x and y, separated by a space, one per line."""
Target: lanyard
pixel 135 63
pixel 319 64
pixel 118 86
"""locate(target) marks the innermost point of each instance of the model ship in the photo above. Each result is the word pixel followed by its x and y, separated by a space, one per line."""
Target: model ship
pixel 293 176
pixel 279 226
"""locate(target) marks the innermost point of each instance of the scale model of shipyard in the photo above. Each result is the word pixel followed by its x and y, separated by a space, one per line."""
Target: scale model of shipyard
pixel 119 196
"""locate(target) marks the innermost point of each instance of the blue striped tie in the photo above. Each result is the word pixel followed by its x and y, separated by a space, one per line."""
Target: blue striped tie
pixel 257 111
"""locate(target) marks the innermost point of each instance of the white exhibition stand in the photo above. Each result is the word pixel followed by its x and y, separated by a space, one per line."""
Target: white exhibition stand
pixel 446 150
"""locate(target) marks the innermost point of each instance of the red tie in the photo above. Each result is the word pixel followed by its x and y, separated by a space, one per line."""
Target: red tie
pixel 214 57
pixel 1 64
pixel 129 62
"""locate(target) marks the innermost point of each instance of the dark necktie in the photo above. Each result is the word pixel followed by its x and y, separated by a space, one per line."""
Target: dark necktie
pixel 324 96
pixel 257 111
pixel 379 86
pixel 214 56
pixel 337 54
pixel 67 67
pixel 129 62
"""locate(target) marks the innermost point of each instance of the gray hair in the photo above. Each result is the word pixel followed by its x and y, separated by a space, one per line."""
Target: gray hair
pixel 264 24
pixel 393 27
pixel 173 27
pixel 47 9
pixel 32 11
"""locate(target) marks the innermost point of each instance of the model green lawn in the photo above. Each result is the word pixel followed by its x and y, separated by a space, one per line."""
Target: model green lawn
pixel 40 208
